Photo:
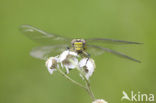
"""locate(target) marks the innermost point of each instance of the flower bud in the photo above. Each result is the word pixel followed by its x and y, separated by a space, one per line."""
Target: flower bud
pixel 99 101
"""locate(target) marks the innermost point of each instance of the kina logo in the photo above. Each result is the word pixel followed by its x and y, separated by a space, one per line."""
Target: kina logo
pixel 138 96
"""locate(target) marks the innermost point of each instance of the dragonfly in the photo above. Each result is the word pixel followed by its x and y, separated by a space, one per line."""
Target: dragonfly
pixel 54 44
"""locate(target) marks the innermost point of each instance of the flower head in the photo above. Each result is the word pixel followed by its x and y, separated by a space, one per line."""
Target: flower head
pixel 65 58
pixel 52 64
pixel 88 65
pixel 99 101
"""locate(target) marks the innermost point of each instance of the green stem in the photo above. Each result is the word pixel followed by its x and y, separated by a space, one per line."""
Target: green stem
pixel 73 81
pixel 90 92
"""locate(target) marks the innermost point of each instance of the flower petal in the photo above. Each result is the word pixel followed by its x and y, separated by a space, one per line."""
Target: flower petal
pixel 51 70
pixel 65 58
pixel 63 55
pixel 88 65
pixel 51 64
pixel 71 65
pixel 73 53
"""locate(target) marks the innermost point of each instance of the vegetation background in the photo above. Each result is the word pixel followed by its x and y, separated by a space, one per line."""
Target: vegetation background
pixel 24 79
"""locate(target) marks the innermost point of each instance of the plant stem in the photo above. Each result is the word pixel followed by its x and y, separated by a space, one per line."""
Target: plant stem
pixel 88 87
pixel 73 81
pixel 90 92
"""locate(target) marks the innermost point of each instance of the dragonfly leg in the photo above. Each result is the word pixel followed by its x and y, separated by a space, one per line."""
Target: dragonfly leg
pixel 88 58
pixel 68 48
pixel 86 55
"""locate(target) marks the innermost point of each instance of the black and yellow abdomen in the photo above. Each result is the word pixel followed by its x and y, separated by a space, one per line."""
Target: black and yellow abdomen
pixel 78 45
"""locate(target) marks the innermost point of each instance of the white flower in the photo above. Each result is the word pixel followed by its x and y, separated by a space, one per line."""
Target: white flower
pixel 99 101
pixel 65 58
pixel 88 65
pixel 52 64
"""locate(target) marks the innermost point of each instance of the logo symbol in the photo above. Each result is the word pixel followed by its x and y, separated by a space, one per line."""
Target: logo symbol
pixel 125 96
pixel 137 97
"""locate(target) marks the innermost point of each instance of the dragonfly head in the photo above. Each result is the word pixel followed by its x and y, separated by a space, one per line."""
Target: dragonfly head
pixel 78 44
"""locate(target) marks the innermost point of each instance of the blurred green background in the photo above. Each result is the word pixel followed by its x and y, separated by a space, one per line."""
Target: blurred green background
pixel 24 79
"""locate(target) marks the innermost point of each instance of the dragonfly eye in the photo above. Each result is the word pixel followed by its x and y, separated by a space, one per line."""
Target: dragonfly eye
pixel 83 41
pixel 73 41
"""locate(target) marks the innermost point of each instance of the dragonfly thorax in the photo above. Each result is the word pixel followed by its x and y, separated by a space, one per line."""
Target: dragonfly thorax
pixel 78 45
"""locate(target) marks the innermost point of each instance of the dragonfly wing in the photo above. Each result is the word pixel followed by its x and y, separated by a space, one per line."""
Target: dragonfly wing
pixel 42 36
pixel 113 52
pixel 44 52
pixel 94 51
pixel 110 41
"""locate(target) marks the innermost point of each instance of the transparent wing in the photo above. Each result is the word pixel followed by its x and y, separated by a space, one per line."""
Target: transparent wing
pixel 100 50
pixel 42 36
pixel 94 51
pixel 43 52
pixel 110 41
